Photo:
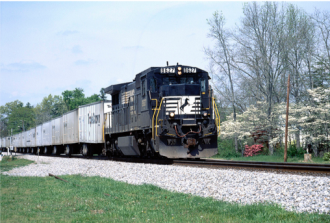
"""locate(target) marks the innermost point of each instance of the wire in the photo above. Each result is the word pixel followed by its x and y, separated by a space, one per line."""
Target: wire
pixel 176 131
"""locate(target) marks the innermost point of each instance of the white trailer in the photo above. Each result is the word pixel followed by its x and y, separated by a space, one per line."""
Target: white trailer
pixel 39 136
pixel 57 131
pixel 46 134
pixel 91 122
pixel 70 127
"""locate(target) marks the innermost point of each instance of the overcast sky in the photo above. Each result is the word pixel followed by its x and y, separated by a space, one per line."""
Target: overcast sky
pixel 49 47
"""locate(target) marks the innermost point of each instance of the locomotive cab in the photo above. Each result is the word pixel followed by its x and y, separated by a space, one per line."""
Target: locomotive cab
pixel 184 124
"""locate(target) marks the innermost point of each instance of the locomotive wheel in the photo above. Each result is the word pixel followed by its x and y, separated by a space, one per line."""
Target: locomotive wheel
pixel 45 150
pixel 55 150
pixel 150 148
pixel 86 150
pixel 38 150
pixel 28 150
pixel 68 150
pixel 109 153
pixel 32 150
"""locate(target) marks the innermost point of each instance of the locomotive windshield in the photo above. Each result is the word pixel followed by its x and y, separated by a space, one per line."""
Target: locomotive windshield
pixel 178 85
pixel 181 80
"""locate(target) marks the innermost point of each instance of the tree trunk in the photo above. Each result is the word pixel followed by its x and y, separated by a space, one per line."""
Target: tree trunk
pixel 271 148
pixel 315 149
pixel 236 146
pixel 297 136
pixel 234 113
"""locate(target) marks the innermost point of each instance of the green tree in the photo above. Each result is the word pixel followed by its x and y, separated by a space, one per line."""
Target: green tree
pixel 19 117
pixel 50 107
pixel 74 99
pixel 93 98
pixel 10 106
pixel 102 95
pixel 13 115
pixel 67 98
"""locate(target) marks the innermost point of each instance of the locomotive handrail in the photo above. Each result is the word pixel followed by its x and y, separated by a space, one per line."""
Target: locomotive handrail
pixel 159 108
pixel 156 103
pixel 106 116
pixel 217 116
pixel 153 117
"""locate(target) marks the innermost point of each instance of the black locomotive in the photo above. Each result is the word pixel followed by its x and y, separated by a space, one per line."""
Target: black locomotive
pixel 165 111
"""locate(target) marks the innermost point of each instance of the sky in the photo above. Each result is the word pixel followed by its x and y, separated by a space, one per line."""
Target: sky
pixel 49 47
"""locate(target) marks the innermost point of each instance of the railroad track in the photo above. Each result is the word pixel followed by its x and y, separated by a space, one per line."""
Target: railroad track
pixel 310 167
pixel 300 167
pixel 213 163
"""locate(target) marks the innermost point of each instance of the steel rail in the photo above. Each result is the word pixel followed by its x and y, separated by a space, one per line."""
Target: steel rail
pixel 310 167
pixel 259 165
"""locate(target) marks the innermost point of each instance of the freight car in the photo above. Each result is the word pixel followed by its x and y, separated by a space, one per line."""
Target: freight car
pixel 165 111
pixel 69 134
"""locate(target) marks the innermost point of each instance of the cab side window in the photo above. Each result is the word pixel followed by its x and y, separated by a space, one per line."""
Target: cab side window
pixel 203 87
pixel 153 84
pixel 143 87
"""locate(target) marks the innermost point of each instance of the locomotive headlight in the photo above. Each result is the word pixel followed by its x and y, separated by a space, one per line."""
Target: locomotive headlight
pixel 179 70
pixel 205 114
pixel 172 114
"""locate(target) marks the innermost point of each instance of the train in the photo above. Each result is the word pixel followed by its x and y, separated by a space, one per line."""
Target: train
pixel 165 112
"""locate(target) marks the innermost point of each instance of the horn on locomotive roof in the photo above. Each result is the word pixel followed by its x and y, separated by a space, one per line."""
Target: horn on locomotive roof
pixel 167 63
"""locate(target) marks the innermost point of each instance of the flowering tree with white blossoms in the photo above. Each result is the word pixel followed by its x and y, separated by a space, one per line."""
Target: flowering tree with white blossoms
pixel 255 119
pixel 311 120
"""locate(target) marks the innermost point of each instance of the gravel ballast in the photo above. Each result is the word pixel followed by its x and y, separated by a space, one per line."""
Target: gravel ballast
pixel 301 193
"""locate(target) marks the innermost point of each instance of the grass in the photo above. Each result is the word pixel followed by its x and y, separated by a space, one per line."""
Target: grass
pixel 274 158
pixel 46 199
pixel 9 163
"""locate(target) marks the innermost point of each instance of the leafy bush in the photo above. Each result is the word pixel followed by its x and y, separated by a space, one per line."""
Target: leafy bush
pixel 326 156
pixel 279 151
pixel 294 152
pixel 226 148
pixel 253 150
pixel 300 152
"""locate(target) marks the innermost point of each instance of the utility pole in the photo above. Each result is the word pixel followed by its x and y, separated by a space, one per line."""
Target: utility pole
pixel 286 120
pixel 11 137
